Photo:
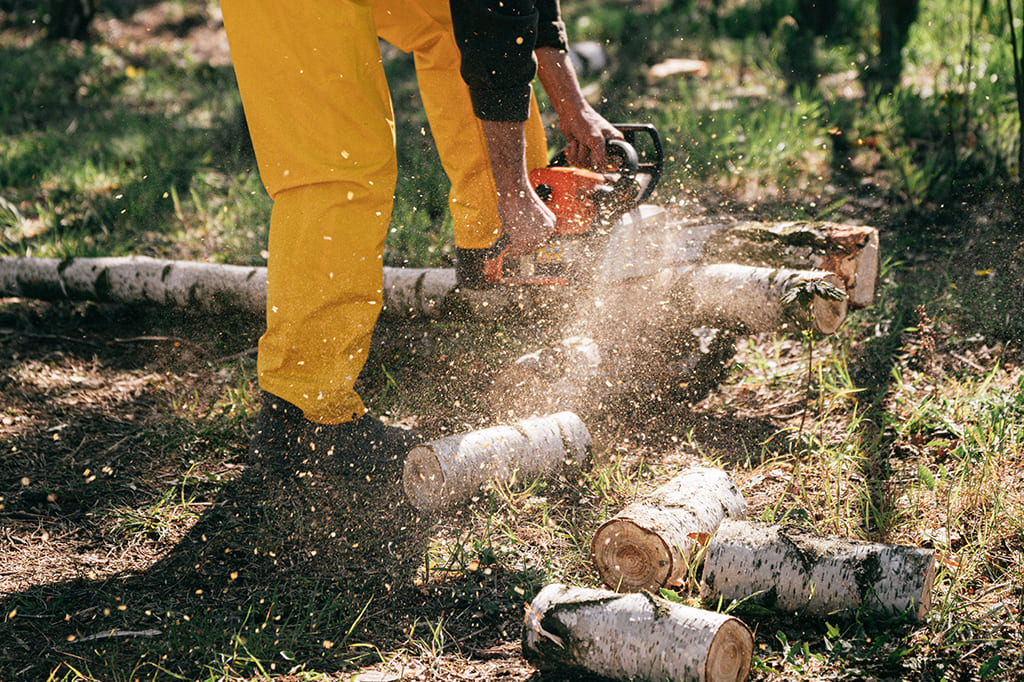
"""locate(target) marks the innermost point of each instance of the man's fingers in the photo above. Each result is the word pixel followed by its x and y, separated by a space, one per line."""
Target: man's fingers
pixel 528 223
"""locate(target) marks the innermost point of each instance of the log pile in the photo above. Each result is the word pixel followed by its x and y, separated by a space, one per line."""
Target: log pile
pixel 630 633
pixel 697 518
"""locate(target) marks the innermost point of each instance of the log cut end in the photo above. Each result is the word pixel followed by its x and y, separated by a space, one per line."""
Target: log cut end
pixel 423 478
pixel 730 653
pixel 630 558
pixel 827 314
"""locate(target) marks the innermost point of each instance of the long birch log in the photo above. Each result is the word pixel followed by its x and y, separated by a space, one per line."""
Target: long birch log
pixel 650 238
pixel 207 287
pixel 656 541
pixel 754 297
pixel 849 251
pixel 795 570
pixel 633 637
pixel 442 472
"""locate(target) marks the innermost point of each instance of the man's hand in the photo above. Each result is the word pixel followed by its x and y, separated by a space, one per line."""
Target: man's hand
pixel 584 129
pixel 524 218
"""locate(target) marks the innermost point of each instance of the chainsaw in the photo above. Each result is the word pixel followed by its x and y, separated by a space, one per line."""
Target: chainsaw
pixel 587 206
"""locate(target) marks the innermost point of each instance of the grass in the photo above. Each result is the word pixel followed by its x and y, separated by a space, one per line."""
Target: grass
pixel 126 502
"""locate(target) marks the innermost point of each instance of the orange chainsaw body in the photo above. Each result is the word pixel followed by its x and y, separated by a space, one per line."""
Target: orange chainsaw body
pixel 586 204
pixel 570 196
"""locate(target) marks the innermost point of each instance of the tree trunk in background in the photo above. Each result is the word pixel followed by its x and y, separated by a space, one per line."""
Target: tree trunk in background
pixel 894 20
pixel 634 637
pixel 70 19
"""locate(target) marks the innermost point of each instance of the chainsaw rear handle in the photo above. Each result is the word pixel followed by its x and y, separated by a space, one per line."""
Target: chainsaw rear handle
pixel 625 153
pixel 650 167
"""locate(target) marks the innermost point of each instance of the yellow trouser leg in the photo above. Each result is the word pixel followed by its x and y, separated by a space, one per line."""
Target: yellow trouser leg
pixel 424 27
pixel 320 116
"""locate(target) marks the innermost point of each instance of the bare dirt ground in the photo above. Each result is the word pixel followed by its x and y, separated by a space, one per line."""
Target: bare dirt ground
pixel 127 502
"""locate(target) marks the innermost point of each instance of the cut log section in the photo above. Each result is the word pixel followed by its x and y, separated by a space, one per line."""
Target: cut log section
pixel 650 239
pixel 794 570
pixel 633 637
pixel 654 542
pixel 442 472
pixel 849 251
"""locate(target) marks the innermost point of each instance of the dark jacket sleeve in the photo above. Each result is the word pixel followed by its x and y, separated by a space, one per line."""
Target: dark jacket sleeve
pixel 497 39
pixel 550 27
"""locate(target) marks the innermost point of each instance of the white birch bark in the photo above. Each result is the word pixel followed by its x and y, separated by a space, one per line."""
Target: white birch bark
pixel 634 637
pixel 442 472
pixel 795 570
pixel 410 291
pixel 208 287
pixel 656 541
pixel 752 296
pixel 849 251
pixel 650 239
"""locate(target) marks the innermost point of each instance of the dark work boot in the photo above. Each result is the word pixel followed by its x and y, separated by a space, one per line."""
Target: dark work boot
pixel 469 264
pixel 366 446
pixel 469 268
pixel 280 428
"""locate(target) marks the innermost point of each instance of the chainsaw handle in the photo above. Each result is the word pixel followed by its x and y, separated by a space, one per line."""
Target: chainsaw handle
pixel 625 154
pixel 652 163
pixel 653 167
pixel 619 150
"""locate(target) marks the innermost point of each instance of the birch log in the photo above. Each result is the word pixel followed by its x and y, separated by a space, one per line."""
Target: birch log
pixel 207 287
pixel 654 542
pixel 795 570
pixel 753 297
pixel 442 472
pixel 849 251
pixel 650 238
pixel 633 637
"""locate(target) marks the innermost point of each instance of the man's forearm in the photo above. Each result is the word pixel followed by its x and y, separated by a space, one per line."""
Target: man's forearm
pixel 506 145
pixel 525 220
pixel 558 77
pixel 584 129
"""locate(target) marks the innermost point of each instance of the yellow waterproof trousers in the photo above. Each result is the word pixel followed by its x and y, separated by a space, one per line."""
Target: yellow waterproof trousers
pixel 320 116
